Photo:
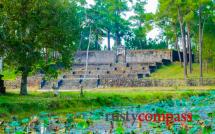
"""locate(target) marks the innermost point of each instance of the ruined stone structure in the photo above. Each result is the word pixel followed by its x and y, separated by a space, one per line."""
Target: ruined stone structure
pixel 119 68
pixel 123 55
pixel 103 66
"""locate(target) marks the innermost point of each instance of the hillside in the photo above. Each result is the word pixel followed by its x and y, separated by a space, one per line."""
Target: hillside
pixel 175 71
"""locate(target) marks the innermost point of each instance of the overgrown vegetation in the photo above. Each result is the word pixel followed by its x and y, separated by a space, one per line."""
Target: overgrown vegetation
pixel 70 102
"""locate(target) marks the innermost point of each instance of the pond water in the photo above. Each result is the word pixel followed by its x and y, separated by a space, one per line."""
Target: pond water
pixel 193 115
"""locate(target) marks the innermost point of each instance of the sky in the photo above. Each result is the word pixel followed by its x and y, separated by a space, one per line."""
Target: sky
pixel 150 7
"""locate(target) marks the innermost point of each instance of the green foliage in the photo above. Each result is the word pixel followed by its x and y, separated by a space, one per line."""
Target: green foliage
pixel 70 102
pixel 209 43
pixel 141 24
pixel 37 35
pixel 9 74
pixel 103 17
pixel 147 44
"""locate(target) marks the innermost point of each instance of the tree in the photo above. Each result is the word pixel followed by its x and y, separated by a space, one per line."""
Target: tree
pixel 38 35
pixel 205 9
pixel 208 49
pixel 173 14
pixel 90 19
pixel 116 9
pixel 189 20
pixel 187 13
pixel 179 6
pixel 205 24
pixel 104 23
pixel 170 16
pixel 141 24
pixel 106 20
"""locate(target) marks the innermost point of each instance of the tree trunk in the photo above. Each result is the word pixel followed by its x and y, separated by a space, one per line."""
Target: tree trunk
pixel 24 82
pixel 200 44
pixel 80 45
pixel 82 93
pixel 189 47
pixel 117 28
pixel 1 64
pixel 206 65
pixel 167 41
pixel 176 45
pixel 140 44
pixel 86 67
pixel 108 37
pixel 46 55
pixel 213 66
pixel 97 40
pixel 178 49
pixel 117 38
pixel 183 42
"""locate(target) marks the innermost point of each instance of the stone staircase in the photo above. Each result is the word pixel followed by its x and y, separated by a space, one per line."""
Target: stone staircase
pixel 78 76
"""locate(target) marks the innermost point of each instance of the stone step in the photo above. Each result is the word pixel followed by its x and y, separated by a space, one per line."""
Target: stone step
pixel 110 75
pixel 91 66
pixel 76 84
pixel 123 68
pixel 115 71
pixel 82 72
pixel 97 72
pixel 111 66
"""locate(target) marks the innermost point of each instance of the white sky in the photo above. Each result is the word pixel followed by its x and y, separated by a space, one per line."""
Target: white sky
pixel 150 7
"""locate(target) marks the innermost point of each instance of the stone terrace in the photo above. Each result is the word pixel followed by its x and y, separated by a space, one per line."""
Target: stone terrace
pixel 111 65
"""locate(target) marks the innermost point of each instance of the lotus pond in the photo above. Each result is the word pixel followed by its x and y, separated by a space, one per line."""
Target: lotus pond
pixel 201 107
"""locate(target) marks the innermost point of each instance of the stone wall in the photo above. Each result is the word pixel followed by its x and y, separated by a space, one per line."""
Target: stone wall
pixel 100 57
pixel 154 82
pixel 15 84
pixel 33 83
pixel 132 56
pixel 144 56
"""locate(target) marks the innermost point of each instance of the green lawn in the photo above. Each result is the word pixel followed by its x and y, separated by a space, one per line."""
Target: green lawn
pixel 175 71
pixel 70 102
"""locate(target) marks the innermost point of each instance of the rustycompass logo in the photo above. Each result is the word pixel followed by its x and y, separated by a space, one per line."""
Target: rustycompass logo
pixel 168 118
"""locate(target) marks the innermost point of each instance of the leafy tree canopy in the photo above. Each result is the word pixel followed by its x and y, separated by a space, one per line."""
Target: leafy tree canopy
pixel 38 35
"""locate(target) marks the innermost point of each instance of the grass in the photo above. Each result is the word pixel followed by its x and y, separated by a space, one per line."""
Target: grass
pixel 175 71
pixel 70 102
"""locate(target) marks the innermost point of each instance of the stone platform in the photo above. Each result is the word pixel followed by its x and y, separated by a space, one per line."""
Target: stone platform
pixel 111 65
